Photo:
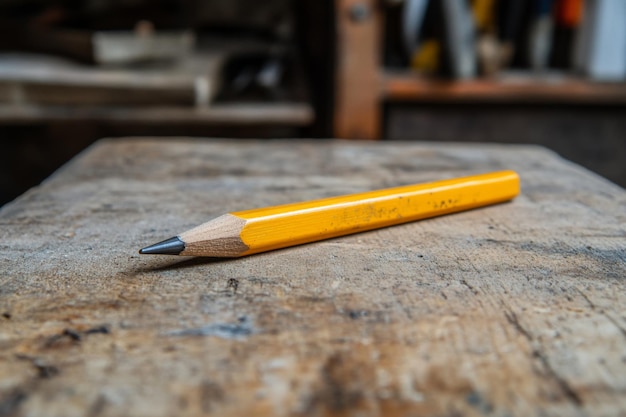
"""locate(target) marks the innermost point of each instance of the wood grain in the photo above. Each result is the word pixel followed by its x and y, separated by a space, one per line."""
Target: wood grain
pixel 511 310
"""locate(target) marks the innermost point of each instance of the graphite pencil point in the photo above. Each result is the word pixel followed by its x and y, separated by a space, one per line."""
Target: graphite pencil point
pixel 171 246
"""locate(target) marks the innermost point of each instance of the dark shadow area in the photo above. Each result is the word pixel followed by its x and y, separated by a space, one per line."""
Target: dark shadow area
pixel 172 264
pixel 592 136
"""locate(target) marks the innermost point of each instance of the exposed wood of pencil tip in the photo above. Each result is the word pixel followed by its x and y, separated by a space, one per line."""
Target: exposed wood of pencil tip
pixel 220 237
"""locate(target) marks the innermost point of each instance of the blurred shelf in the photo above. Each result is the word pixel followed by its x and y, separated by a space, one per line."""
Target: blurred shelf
pixel 240 114
pixel 49 80
pixel 508 88
pixel 38 88
pixel 358 109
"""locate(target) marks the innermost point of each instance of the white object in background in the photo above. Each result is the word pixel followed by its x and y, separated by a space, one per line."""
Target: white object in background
pixel 460 38
pixel 601 43
pixel 412 18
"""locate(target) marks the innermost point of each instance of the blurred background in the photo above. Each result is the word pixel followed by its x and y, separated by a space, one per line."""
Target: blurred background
pixel 548 72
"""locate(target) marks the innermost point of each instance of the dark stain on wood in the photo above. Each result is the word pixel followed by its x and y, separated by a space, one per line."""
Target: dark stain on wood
pixel 69 337
pixel 10 402
pixel 340 386
pixel 45 371
pixel 98 406
pixel 476 400
pixel 72 334
pixel 98 330
pixel 232 284
pixel 210 395
pixel 357 314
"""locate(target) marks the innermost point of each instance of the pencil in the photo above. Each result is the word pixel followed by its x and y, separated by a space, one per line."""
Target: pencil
pixel 264 229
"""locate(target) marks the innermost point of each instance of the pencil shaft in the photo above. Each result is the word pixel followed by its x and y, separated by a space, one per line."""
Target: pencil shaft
pixel 252 231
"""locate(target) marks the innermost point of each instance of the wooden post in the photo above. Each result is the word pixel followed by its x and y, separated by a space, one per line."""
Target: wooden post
pixel 357 112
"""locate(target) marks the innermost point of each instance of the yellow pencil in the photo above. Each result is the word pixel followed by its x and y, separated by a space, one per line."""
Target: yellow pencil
pixel 259 230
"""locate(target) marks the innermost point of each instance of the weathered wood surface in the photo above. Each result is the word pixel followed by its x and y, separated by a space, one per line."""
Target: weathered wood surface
pixel 512 310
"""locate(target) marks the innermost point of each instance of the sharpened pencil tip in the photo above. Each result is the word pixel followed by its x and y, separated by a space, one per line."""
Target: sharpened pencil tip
pixel 171 246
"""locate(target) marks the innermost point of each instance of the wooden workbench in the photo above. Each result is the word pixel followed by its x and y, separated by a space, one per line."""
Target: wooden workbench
pixel 511 310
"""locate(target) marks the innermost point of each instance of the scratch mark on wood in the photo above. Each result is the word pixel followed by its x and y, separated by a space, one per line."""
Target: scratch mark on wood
pixel 43 369
pixel 472 289
pixel 565 387
pixel 511 317
pixel 602 312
